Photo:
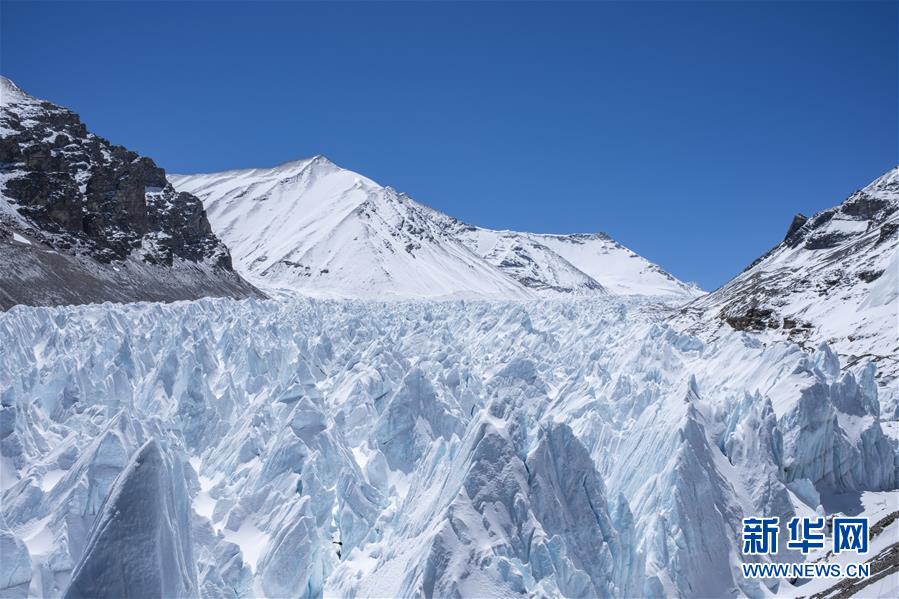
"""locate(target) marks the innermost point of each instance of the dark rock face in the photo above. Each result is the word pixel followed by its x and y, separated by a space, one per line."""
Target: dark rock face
pixel 830 280
pixel 72 192
pixel 887 231
pixel 753 319
pixel 869 276
pixel 99 197
pixel 798 220
pixel 826 241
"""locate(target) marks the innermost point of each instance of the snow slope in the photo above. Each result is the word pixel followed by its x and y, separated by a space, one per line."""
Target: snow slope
pixel 576 263
pixel 833 279
pixel 490 449
pixel 313 227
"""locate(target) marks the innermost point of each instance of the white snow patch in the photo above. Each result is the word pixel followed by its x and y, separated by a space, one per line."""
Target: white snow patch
pixel 251 540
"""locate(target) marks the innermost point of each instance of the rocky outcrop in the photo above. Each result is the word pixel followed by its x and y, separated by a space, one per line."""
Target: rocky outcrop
pixel 80 218
pixel 832 279
pixel 796 224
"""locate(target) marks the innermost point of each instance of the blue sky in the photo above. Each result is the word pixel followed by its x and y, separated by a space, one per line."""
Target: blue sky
pixel 691 132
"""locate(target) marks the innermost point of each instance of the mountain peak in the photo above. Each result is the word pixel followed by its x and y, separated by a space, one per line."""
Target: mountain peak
pixel 317 160
pixel 288 168
pixel 6 84
pixel 10 93
pixel 832 279
pixel 314 227
pixel 888 182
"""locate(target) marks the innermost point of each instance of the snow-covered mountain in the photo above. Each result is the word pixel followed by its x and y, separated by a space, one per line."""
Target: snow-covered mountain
pixel 599 440
pixel 313 227
pixel 301 448
pixel 82 220
pixel 834 278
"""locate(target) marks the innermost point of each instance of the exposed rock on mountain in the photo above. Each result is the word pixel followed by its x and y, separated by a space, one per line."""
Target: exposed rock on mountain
pixel 306 447
pixel 82 220
pixel 834 278
pixel 796 224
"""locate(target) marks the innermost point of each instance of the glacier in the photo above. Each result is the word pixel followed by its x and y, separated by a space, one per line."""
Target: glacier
pixel 419 406
pixel 141 538
pixel 313 447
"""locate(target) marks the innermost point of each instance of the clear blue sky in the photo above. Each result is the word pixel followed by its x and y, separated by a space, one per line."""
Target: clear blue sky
pixel 691 132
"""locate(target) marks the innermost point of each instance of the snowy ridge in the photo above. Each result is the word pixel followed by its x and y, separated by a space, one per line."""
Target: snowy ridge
pixel 598 440
pixel 581 448
pixel 313 227
pixel 833 279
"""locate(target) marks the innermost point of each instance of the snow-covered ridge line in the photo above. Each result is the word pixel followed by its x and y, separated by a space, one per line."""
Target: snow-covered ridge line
pixel 314 227
pixel 834 279
pixel 397 449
